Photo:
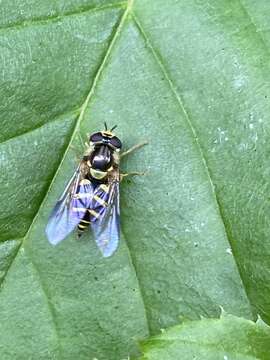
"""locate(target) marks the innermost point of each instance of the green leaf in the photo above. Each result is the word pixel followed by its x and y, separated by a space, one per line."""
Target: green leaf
pixel 192 79
pixel 226 338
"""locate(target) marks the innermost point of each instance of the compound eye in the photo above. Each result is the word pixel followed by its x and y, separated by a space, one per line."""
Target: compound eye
pixel 115 142
pixel 96 137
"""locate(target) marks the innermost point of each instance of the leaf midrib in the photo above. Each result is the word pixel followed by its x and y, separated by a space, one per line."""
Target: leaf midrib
pixel 159 61
pixel 180 102
pixel 75 131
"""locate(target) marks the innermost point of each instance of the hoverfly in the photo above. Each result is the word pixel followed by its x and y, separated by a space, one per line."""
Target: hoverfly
pixel 91 198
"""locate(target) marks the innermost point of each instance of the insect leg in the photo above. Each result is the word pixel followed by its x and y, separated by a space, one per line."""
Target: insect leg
pixel 134 173
pixel 83 143
pixel 77 152
pixel 133 148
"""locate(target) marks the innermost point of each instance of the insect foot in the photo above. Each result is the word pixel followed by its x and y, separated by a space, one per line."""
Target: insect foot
pixel 133 148
pixel 134 173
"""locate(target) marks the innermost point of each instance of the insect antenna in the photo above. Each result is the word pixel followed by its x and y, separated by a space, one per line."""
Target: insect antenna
pixel 105 125
pixel 114 127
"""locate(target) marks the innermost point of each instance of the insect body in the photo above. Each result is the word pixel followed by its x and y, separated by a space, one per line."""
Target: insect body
pixel 92 195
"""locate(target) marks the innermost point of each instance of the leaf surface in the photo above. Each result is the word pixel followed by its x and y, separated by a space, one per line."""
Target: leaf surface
pixel 211 339
pixel 194 229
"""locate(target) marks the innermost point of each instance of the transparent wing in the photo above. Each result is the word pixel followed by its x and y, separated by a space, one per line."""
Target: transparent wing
pixel 70 208
pixel 105 223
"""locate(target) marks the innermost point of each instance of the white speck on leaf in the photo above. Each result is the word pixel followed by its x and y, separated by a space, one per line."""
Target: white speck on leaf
pixel 221 135
pixel 239 82
pixel 229 251
pixel 243 146
pixel 255 137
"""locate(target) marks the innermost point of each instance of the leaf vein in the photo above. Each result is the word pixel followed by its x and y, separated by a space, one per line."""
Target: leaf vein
pixel 34 128
pixel 254 25
pixel 141 291
pixel 180 102
pixel 75 131
pixel 11 262
pixel 46 298
pixel 58 17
